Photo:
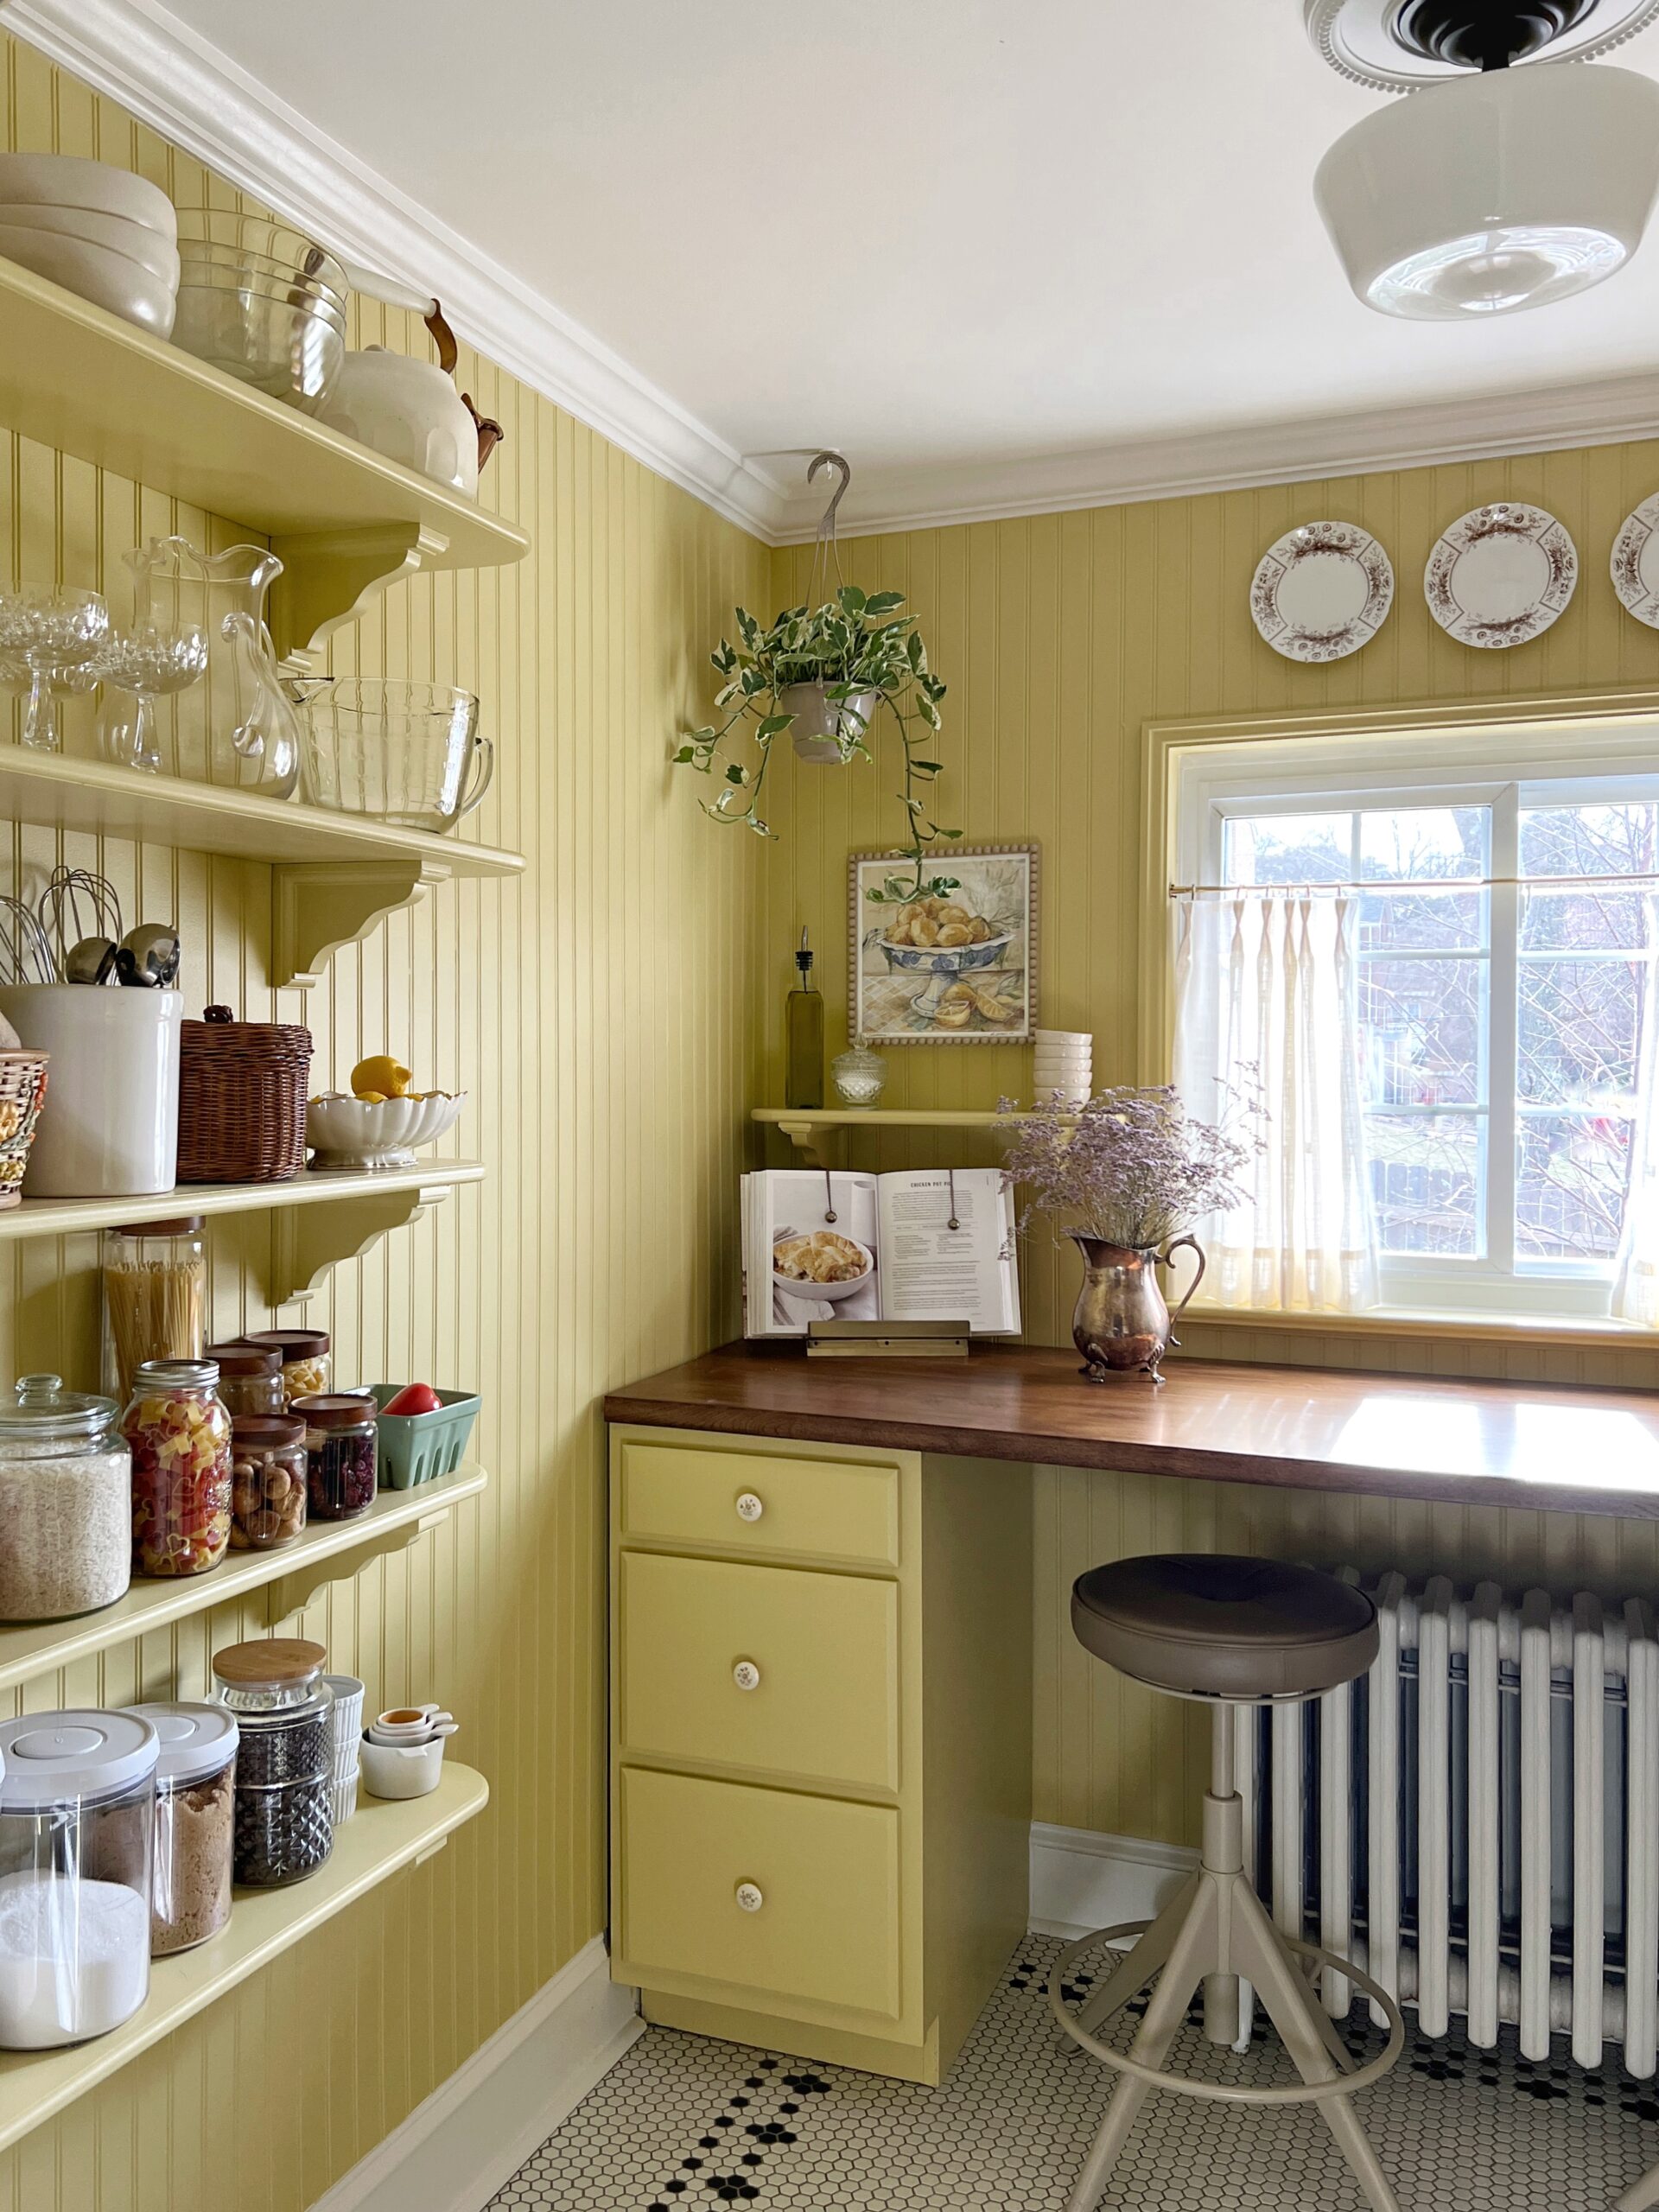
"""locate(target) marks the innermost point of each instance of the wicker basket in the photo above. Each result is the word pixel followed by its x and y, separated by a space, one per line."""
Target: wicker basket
pixel 242 1087
pixel 22 1087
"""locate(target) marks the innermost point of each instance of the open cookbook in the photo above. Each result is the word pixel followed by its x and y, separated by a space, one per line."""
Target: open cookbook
pixel 889 1253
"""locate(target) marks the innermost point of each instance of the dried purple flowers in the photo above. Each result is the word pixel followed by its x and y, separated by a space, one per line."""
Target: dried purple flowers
pixel 1129 1165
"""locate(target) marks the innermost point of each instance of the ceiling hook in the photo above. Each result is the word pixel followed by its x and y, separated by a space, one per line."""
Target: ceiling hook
pixel 829 459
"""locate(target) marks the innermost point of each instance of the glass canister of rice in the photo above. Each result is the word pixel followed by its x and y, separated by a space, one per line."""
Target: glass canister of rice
pixel 155 1296
pixel 65 1510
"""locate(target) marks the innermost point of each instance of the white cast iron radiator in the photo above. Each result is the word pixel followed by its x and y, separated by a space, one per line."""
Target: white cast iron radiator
pixel 1476 1821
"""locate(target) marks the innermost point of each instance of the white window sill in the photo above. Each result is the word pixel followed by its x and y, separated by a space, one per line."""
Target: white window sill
pixel 1419 1322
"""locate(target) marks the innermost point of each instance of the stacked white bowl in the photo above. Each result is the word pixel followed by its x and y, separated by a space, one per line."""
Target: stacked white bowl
pixel 101 232
pixel 1064 1062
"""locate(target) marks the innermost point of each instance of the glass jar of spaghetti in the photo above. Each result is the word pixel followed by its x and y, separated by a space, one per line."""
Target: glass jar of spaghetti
pixel 307 1365
pixel 155 1296
pixel 179 1434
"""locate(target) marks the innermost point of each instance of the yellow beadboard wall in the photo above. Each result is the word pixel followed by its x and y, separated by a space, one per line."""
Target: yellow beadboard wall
pixel 1061 637
pixel 601 1014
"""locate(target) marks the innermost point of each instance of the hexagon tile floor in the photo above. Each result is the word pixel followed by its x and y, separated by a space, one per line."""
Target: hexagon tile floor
pixel 681 2122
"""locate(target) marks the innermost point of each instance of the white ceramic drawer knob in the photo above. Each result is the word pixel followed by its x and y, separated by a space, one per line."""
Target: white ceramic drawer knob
pixel 746 1674
pixel 749 1897
pixel 749 1507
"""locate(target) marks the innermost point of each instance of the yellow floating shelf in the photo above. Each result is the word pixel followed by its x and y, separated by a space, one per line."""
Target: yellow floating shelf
pixel 341 517
pixel 382 1838
pixel 810 1129
pixel 63 1217
pixel 328 1551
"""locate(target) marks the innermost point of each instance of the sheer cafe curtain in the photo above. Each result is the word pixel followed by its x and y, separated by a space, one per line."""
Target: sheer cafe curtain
pixel 1636 1279
pixel 1267 992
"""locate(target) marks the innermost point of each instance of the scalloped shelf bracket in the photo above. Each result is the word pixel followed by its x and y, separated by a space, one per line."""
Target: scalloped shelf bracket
pixel 316 909
pixel 307 1241
pixel 817 1142
pixel 331 576
pixel 292 1593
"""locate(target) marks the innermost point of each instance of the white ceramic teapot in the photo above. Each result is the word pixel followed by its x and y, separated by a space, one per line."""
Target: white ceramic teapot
pixel 411 411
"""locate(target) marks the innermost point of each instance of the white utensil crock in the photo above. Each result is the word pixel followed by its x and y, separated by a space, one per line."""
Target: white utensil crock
pixel 110 1127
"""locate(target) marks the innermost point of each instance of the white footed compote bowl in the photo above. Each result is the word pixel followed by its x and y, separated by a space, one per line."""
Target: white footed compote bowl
pixel 51 632
pixel 148 663
pixel 354 1136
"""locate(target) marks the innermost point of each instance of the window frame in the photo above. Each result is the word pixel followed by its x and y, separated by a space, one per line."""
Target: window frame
pixel 1281 775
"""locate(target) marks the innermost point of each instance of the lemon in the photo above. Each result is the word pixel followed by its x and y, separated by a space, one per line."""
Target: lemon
pixel 371 1097
pixel 382 1074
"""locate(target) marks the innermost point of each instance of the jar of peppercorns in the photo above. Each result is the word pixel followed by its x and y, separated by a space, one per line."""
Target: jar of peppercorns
pixel 179 1434
pixel 250 1378
pixel 268 1481
pixel 341 1435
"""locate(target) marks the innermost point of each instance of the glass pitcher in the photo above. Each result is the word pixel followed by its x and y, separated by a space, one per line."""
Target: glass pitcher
pixel 237 727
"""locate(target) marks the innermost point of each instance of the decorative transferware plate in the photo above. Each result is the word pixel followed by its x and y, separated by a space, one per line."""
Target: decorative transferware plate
pixel 1321 591
pixel 1499 576
pixel 1634 564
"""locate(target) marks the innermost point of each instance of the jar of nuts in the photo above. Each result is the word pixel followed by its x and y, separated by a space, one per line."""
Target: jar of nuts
pixel 308 1366
pixel 267 1481
pixel 250 1378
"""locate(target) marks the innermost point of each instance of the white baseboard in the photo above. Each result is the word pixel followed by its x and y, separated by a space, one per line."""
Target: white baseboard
pixel 1080 1880
pixel 473 2133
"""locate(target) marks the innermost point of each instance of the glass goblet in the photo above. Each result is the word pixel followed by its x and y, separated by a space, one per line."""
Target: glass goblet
pixel 53 632
pixel 147 662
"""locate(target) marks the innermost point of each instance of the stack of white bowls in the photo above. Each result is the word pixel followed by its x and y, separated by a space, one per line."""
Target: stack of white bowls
pixel 101 232
pixel 345 1734
pixel 1066 1063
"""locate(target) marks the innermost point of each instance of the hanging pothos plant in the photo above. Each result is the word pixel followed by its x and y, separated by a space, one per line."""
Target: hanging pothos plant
pixel 858 654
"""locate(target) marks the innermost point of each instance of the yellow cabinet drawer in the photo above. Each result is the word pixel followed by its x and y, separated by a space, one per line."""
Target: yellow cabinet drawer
pixel 821 1876
pixel 759 1502
pixel 772 1668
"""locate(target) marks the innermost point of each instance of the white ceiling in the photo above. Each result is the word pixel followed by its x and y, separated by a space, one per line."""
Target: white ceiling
pixel 971 244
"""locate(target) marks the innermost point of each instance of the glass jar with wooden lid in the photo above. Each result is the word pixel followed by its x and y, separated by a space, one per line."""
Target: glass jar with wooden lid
pixel 284 1804
pixel 308 1366
pixel 250 1377
pixel 341 1439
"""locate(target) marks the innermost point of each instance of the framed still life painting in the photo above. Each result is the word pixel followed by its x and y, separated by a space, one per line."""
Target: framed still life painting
pixel 955 965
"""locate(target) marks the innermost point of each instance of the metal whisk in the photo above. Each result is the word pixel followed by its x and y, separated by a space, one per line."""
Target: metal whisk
pixel 77 904
pixel 25 955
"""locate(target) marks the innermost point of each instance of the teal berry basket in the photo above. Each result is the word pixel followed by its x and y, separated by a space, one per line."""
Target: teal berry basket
pixel 417 1448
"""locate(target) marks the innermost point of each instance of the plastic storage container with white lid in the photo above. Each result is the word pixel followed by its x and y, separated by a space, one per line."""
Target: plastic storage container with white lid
pixel 195 1785
pixel 77 1813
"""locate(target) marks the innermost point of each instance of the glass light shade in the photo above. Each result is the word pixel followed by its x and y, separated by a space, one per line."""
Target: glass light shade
pixel 1494 193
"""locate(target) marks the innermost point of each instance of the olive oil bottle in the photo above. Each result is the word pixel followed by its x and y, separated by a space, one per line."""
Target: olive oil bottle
pixel 803 1036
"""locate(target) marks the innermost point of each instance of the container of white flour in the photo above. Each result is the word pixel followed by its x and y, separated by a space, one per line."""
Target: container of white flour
pixel 77 1819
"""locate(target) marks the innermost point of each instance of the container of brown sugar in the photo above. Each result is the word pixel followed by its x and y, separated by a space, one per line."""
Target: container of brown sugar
pixel 195 1800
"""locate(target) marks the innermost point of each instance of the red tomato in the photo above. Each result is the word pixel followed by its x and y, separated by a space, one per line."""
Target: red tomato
pixel 415 1398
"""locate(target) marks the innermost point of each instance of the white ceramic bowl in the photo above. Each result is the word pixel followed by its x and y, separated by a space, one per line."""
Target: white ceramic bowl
pixel 96 273
pixel 93 227
pixel 831 1291
pixel 67 181
pixel 352 1136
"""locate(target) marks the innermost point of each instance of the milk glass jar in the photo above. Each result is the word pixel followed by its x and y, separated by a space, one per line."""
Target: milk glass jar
pixel 66 1525
pixel 77 1817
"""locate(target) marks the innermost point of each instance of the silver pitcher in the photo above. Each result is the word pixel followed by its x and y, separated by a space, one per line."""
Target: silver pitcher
pixel 1120 1320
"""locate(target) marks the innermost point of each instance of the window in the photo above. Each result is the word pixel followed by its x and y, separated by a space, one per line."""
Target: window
pixel 1501 1001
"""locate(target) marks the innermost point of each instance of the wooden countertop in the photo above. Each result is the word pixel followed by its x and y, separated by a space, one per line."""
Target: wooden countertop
pixel 1565 1450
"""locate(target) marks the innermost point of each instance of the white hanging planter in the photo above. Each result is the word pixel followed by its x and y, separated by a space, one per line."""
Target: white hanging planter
pixel 823 728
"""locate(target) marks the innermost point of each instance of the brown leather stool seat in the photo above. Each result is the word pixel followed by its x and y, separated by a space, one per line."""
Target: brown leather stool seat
pixel 1207 1624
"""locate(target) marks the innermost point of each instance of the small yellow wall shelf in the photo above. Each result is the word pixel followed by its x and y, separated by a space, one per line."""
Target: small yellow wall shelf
pixel 815 1131
pixel 382 1840
pixel 344 521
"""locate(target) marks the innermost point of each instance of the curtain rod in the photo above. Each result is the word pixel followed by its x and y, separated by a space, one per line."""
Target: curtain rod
pixel 1421 883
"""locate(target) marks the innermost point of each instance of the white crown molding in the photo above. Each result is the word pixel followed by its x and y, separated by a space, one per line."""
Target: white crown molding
pixel 138 55
pixel 1609 412
pixel 157 68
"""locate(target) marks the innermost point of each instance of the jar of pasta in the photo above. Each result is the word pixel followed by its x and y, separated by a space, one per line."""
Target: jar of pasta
pixel 180 1438
pixel 250 1377
pixel 155 1296
pixel 308 1366
pixel 267 1481
pixel 341 1437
